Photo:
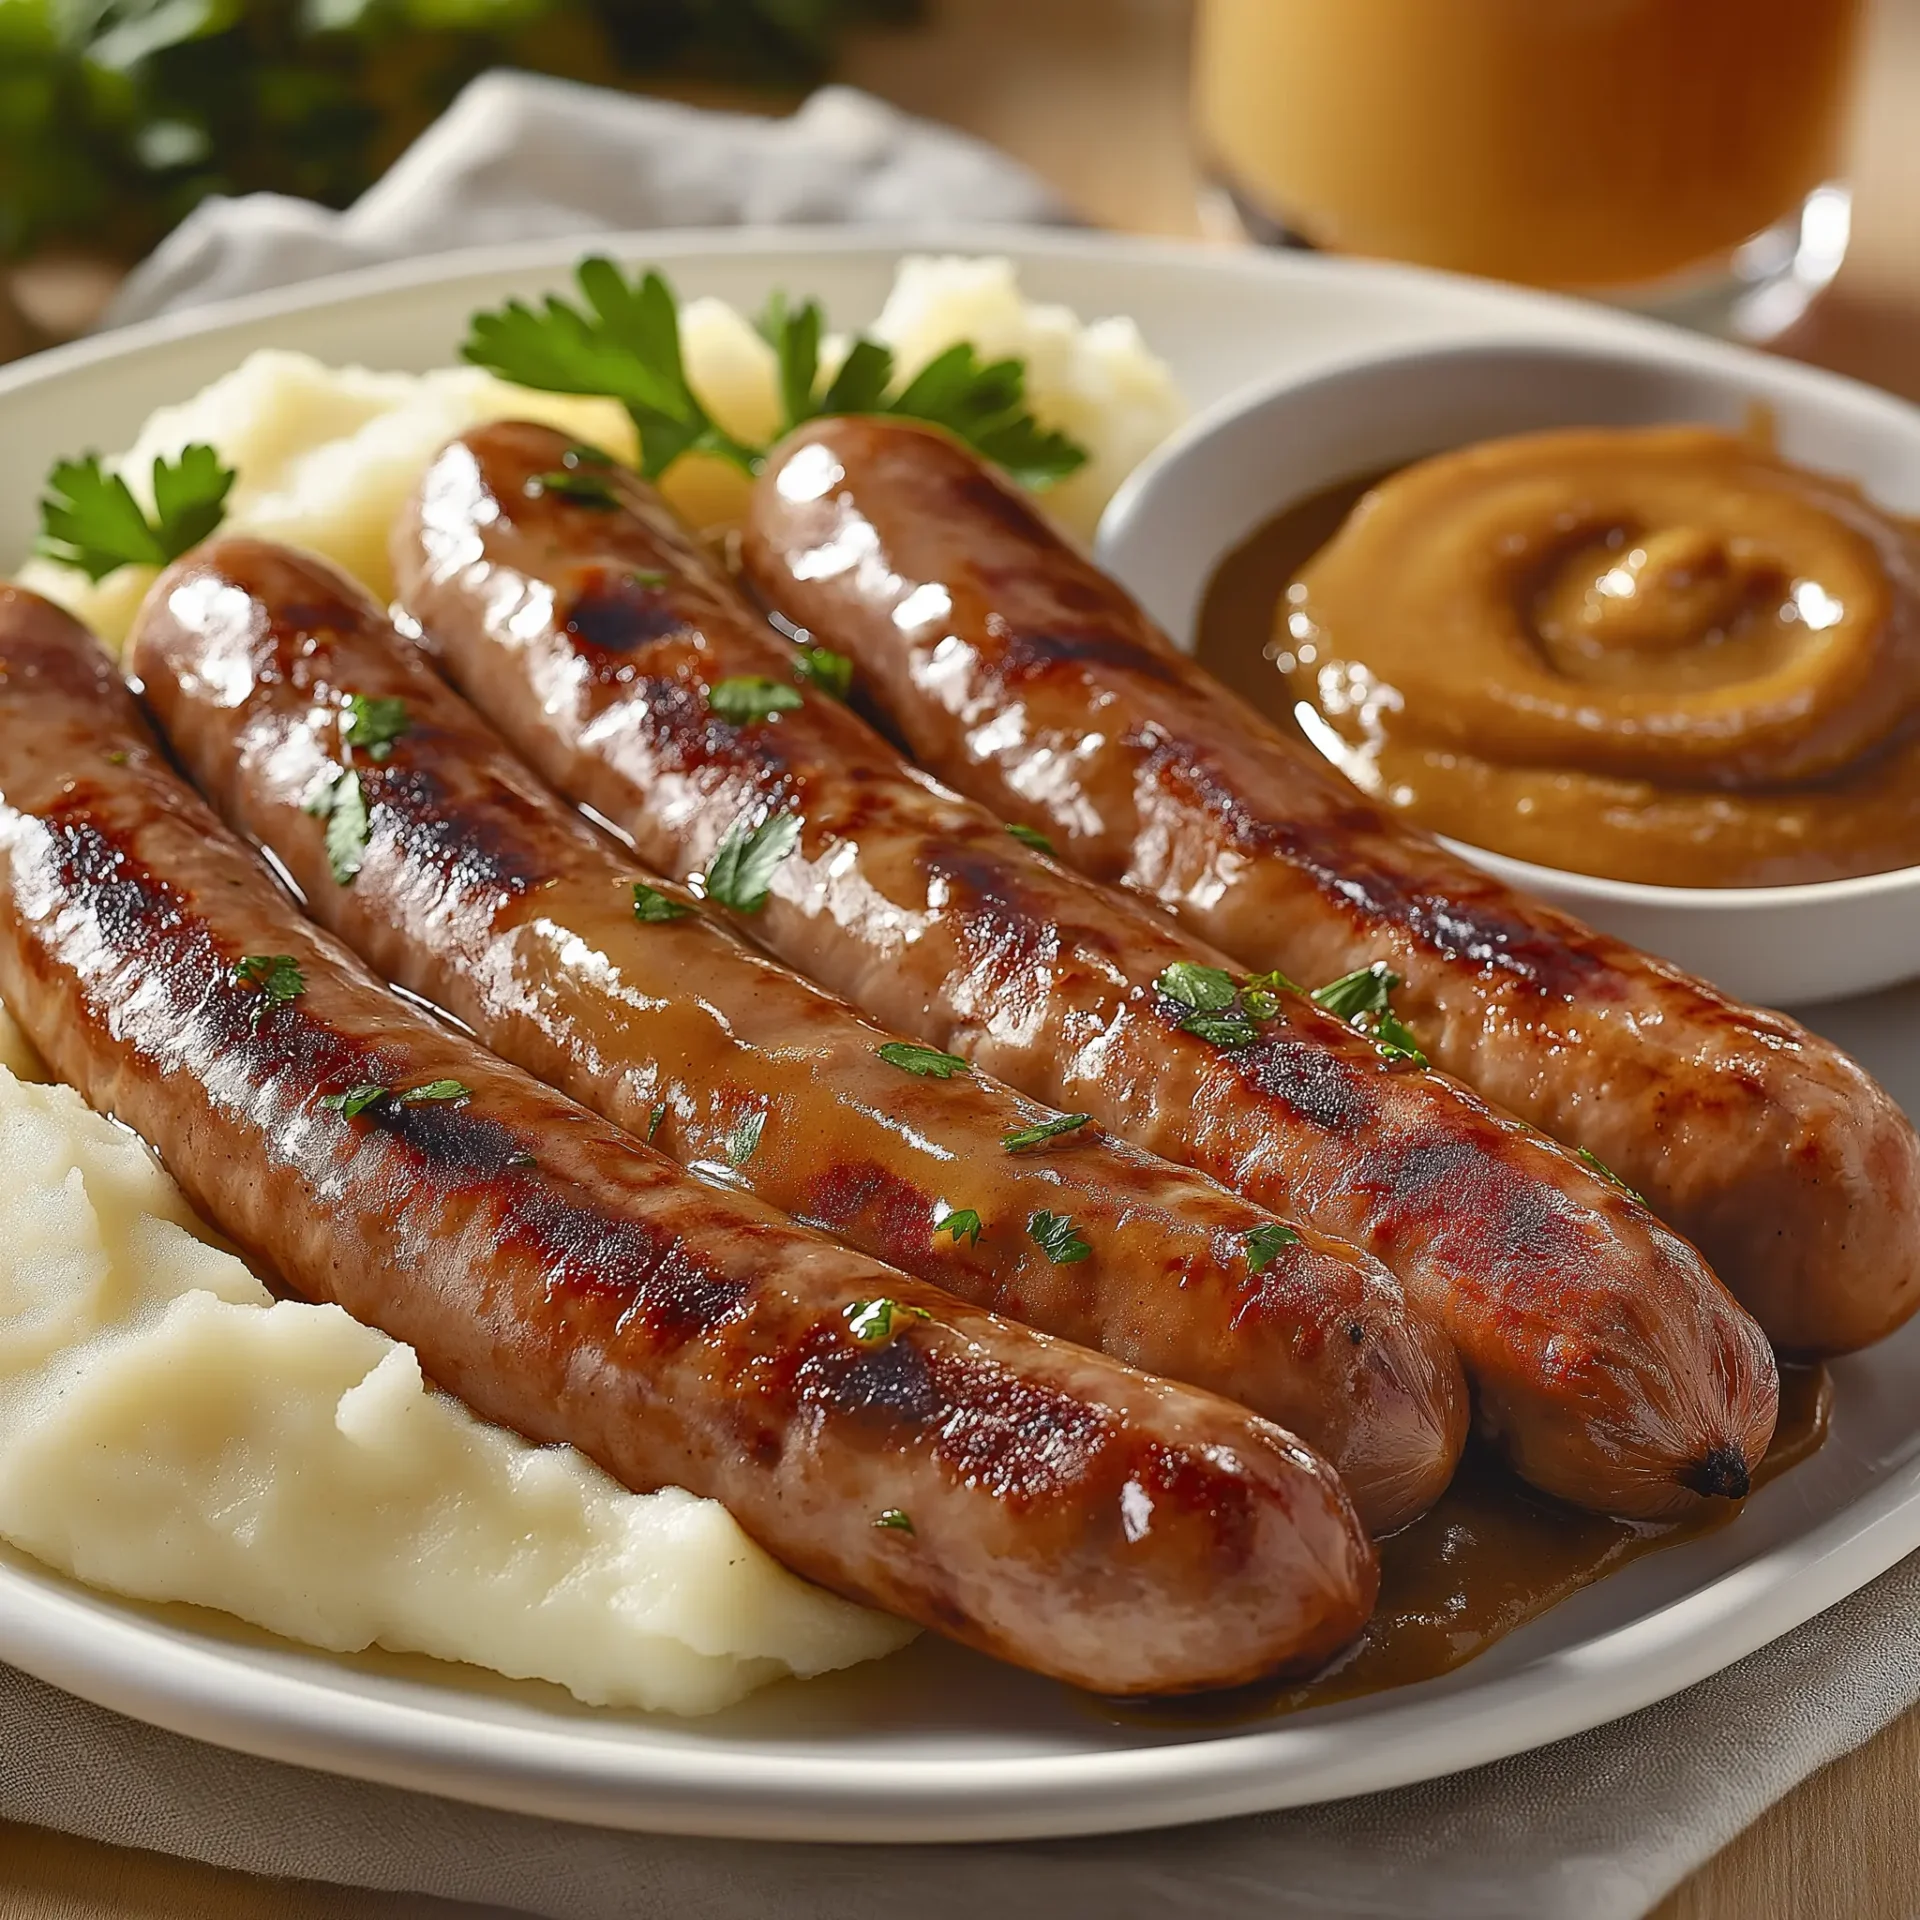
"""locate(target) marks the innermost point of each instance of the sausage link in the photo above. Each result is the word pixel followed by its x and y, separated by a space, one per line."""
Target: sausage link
pixel 993 646
pixel 1055 1507
pixel 1604 1355
pixel 482 892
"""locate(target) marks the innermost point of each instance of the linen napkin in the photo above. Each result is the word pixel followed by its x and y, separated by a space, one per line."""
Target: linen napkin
pixel 1595 1828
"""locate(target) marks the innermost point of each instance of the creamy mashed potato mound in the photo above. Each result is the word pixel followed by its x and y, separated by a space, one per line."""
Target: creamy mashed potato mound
pixel 326 456
pixel 170 1431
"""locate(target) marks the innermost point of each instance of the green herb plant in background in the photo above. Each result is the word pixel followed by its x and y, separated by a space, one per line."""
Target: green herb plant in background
pixel 118 116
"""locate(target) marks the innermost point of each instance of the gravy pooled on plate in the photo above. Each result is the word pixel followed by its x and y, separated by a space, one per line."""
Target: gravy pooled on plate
pixel 1656 654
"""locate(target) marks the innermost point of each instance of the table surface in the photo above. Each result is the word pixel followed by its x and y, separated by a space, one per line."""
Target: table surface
pixel 1092 94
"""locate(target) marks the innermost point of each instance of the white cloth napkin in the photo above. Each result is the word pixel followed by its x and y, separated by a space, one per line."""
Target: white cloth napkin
pixel 1597 1828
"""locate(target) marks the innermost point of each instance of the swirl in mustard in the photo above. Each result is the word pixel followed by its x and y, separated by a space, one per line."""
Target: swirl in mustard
pixel 1657 654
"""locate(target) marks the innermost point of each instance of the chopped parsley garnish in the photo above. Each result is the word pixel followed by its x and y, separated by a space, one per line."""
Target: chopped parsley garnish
pixel 1220 1013
pixel 1030 837
pixel 1265 1244
pixel 929 1062
pixel 654 1119
pixel 1205 989
pixel 1361 999
pixel 624 341
pixel 373 725
pixel 874 1322
pixel 89 518
pixel 277 977
pixel 749 698
pixel 1607 1173
pixel 356 1100
pixel 744 1140
pixel 895 1519
pixel 829 672
pixel 646 577
pixel 342 804
pixel 959 1223
pixel 1274 982
pixel 1043 1130
pixel 583 489
pixel 742 867
pixel 1058 1238
pixel 652 908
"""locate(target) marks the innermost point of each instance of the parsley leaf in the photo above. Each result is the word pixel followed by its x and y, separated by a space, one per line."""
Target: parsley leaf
pixel 959 1223
pixel 357 1099
pixel 374 724
pixel 1607 1173
pixel 749 698
pixel 583 489
pixel 820 667
pixel 1043 1130
pixel 744 1140
pixel 1274 982
pixel 1228 1031
pixel 89 518
pixel 1361 992
pixel 652 908
pixel 624 342
pixel 342 804
pixel 276 975
pixel 1058 1238
pixel 1030 837
pixel 654 1119
pixel 895 1519
pixel 928 1062
pixel 1360 999
pixel 874 1322
pixel 1205 989
pixel 1264 1244
pixel 741 870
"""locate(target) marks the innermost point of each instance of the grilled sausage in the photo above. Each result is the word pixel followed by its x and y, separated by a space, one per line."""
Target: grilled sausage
pixel 1604 1355
pixel 1044 1502
pixel 1020 672
pixel 482 892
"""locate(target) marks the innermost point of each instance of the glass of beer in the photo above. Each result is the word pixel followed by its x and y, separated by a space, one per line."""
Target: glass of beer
pixel 1679 156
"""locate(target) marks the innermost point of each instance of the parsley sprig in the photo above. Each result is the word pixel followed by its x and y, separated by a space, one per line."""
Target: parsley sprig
pixel 1042 1131
pixel 1222 1011
pixel 1265 1244
pixel 872 1323
pixel 89 518
pixel 357 1099
pixel 276 979
pixel 1058 1238
pixel 959 1223
pixel 1362 1000
pixel 740 874
pixel 623 340
pixel 928 1062
pixel 1605 1172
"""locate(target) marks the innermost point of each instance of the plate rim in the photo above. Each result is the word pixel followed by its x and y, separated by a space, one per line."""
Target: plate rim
pixel 89 1644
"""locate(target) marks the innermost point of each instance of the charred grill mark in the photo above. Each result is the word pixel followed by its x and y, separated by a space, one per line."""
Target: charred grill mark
pixel 293 624
pixel 1318 1086
pixel 890 1386
pixel 469 843
pixel 1031 651
pixel 617 613
pixel 997 925
pixel 1486 1215
pixel 902 1215
pixel 1455 929
pixel 1180 1481
pixel 1020 1440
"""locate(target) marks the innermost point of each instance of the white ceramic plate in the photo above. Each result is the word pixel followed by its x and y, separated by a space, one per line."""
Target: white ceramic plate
pixel 937 1743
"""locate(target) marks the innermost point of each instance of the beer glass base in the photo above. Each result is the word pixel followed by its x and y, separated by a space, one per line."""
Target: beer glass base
pixel 1755 293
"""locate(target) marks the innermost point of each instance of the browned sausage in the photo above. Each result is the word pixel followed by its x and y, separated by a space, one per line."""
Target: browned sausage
pixel 1020 672
pixel 1035 1499
pixel 479 890
pixel 590 628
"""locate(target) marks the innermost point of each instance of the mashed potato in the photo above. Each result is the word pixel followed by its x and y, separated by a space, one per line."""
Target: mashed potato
pixel 325 456
pixel 170 1431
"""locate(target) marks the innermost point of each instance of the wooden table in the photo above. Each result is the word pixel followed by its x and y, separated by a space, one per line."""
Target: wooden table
pixel 1091 93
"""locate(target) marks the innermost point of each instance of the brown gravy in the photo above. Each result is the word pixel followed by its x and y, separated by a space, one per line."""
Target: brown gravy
pixel 1488 1557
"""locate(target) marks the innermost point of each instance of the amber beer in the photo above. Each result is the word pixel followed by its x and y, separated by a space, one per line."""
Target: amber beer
pixel 1600 145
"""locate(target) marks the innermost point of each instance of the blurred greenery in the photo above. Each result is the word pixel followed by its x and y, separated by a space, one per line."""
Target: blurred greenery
pixel 117 116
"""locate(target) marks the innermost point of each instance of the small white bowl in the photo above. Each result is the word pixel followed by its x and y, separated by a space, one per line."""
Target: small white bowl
pixel 1241 462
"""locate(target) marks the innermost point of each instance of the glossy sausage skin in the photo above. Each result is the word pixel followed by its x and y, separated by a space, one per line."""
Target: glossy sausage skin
pixel 1604 1356
pixel 490 897
pixel 1068 1513
pixel 992 645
